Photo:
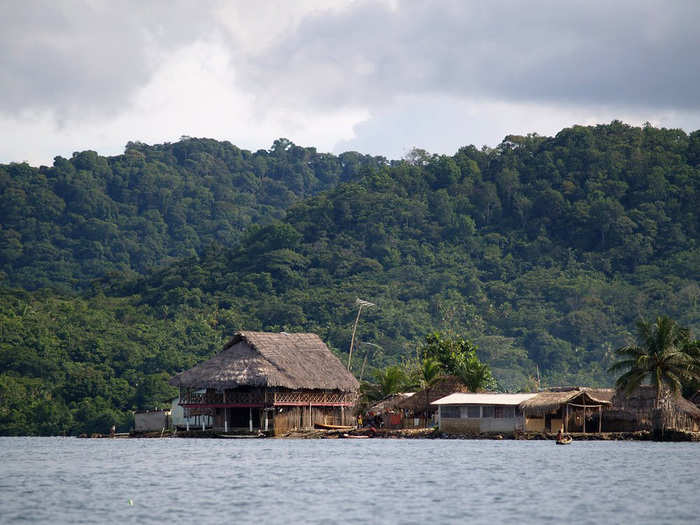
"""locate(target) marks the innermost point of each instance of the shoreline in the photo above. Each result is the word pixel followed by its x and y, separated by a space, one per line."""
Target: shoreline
pixel 369 433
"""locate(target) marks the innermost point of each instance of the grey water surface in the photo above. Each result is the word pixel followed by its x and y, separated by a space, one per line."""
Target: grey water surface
pixel 69 480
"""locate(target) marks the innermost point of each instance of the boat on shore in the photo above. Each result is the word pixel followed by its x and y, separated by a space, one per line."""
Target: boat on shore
pixel 323 426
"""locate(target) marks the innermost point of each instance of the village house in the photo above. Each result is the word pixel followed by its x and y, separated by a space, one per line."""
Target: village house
pixel 151 420
pixel 387 410
pixel 475 413
pixel 271 382
pixel 636 411
pixel 418 410
pixel 573 409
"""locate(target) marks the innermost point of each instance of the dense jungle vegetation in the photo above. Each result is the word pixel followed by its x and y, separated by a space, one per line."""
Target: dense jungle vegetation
pixel 544 252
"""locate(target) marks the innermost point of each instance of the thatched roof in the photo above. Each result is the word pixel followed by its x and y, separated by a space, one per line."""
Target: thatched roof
pixel 545 402
pixel 443 387
pixel 695 398
pixel 390 402
pixel 260 359
pixel 644 398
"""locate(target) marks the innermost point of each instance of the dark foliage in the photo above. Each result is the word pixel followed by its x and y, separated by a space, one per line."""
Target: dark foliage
pixel 544 252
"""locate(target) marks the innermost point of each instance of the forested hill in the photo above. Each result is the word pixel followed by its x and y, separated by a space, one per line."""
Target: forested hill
pixel 90 216
pixel 544 251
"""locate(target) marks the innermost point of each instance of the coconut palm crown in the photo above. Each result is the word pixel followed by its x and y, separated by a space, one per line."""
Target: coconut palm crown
pixel 664 355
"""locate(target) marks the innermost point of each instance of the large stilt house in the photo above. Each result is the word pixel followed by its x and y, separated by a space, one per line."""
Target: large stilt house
pixel 270 381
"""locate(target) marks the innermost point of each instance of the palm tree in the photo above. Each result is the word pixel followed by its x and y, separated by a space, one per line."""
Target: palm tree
pixel 475 374
pixel 664 355
pixel 430 373
pixel 390 381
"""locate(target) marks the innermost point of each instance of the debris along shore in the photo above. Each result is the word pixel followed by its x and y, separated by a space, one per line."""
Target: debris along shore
pixel 434 433
pixel 420 433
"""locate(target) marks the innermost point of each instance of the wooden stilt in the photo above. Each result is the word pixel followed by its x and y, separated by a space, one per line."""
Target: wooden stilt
pixel 600 419
pixel 250 419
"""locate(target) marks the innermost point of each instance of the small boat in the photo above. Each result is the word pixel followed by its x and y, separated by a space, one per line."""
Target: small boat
pixel 240 436
pixel 565 440
pixel 351 436
pixel 323 426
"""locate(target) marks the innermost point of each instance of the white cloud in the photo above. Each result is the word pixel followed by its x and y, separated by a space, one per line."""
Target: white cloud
pixel 195 92
pixel 378 77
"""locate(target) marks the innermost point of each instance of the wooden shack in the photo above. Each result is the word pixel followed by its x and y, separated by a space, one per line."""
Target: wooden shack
pixel 638 411
pixel 271 382
pixel 575 409
pixel 417 409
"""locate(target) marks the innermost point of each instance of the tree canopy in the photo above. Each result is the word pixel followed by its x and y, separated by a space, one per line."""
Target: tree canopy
pixel 542 252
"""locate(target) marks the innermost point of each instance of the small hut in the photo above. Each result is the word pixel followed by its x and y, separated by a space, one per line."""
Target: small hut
pixel 638 411
pixel 575 409
pixel 264 381
pixel 388 410
pixel 418 410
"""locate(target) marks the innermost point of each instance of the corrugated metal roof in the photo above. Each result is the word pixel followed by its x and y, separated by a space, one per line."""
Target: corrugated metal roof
pixel 483 399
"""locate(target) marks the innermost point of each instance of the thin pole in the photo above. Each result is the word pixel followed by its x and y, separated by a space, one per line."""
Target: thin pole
pixel 360 303
pixel 352 340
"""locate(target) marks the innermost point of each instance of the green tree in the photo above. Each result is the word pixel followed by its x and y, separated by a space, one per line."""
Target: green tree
pixel 457 356
pixel 475 374
pixel 664 355
pixel 390 380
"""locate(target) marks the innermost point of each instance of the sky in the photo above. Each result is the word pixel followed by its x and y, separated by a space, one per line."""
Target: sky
pixel 378 77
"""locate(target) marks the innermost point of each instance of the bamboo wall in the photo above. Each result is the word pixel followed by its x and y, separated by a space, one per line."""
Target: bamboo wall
pixel 297 418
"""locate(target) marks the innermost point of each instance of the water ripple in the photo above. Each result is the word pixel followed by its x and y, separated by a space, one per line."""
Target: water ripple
pixel 64 480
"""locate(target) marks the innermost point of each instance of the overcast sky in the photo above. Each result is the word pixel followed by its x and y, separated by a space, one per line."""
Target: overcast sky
pixel 378 77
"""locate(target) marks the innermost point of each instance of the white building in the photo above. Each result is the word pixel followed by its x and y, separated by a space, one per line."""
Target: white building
pixel 194 421
pixel 468 413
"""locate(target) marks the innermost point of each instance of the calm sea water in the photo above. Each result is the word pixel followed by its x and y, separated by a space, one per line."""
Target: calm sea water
pixel 68 480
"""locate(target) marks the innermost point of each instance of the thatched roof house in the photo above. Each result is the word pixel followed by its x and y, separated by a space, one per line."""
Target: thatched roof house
pixel 695 398
pixel 260 359
pixel 568 408
pixel 292 378
pixel 636 411
pixel 389 403
pixel 550 401
pixel 420 401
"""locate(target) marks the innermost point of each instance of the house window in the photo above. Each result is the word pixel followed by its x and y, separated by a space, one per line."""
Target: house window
pixel 450 412
pixel 487 411
pixel 509 412
pixel 498 412
pixel 473 412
